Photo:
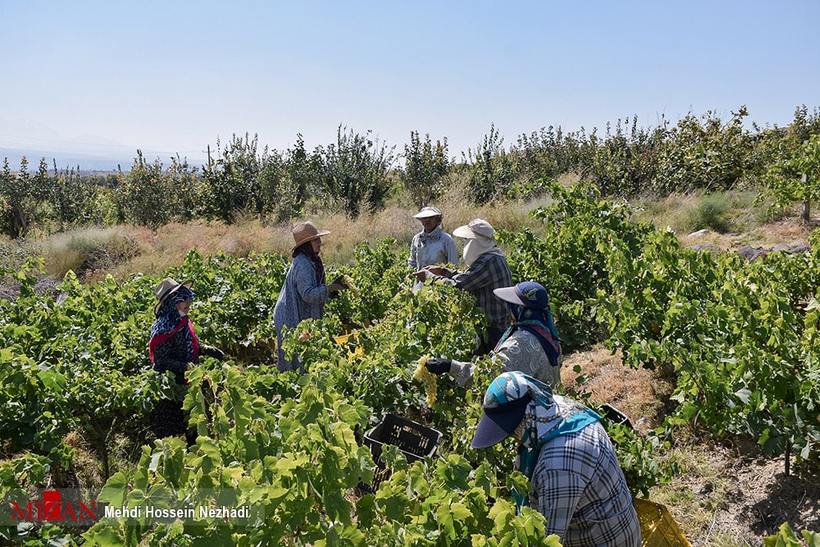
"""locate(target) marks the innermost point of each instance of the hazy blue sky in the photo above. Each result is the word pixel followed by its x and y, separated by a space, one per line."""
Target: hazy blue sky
pixel 88 76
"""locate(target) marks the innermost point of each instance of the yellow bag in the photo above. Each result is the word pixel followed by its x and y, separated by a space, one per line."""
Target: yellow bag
pixel 658 527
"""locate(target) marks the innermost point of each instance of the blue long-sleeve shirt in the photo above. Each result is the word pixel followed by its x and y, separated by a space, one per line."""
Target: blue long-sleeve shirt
pixel 302 297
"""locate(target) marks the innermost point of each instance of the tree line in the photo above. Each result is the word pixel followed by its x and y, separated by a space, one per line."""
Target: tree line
pixel 357 173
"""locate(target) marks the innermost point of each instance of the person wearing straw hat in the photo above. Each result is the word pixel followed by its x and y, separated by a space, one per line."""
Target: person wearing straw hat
pixel 304 293
pixel 172 346
pixel 432 245
pixel 565 452
pixel 487 270
pixel 531 345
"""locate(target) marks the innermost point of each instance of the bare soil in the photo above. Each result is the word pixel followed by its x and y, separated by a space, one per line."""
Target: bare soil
pixel 724 493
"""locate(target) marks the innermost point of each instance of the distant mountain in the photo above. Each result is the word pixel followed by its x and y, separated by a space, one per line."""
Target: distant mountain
pixel 87 161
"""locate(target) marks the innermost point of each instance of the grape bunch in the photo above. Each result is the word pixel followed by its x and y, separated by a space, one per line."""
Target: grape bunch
pixel 427 379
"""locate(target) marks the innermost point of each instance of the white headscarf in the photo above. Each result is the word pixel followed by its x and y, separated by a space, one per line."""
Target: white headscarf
pixel 477 247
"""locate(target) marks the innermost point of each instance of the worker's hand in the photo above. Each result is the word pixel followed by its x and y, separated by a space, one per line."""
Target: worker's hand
pixel 305 336
pixel 211 351
pixel 439 365
pixel 436 270
pixel 336 286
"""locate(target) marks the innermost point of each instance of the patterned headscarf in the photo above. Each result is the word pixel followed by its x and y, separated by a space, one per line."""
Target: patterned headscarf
pixel 547 416
pixel 169 322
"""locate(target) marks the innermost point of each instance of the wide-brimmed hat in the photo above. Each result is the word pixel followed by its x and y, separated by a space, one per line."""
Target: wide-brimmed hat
pixel 168 287
pixel 306 231
pixel 476 228
pixel 527 293
pixel 428 212
pixel 505 404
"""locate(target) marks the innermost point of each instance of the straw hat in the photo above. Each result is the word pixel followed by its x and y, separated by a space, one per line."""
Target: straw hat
pixel 476 228
pixel 428 212
pixel 304 232
pixel 165 289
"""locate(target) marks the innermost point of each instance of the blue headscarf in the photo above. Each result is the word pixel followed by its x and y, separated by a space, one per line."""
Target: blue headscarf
pixel 535 317
pixel 547 416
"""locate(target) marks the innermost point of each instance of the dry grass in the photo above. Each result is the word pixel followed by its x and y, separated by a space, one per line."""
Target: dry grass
pixel 88 250
pixel 720 211
pixel 743 222
pixel 638 393
pixel 124 250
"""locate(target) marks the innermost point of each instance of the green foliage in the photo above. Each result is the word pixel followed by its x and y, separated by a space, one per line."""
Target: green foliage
pixel 571 257
pixel 18 198
pixel 73 199
pixel 740 337
pixel 785 537
pixel 231 182
pixel 708 154
pixel 425 165
pixel 356 174
pixel 625 162
pixel 145 194
pixel 548 153
pixel 355 171
pixel 491 169
pixel 740 340
pixel 784 179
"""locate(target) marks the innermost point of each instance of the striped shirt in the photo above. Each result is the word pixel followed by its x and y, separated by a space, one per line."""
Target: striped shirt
pixel 579 487
pixel 488 272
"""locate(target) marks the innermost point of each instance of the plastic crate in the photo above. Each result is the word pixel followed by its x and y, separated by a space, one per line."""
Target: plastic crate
pixel 615 416
pixel 415 441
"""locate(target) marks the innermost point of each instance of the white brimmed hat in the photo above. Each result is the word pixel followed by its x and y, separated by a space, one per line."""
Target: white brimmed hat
pixel 476 228
pixel 428 212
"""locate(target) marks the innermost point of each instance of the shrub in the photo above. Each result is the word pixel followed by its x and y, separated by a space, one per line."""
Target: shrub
pixel 710 212
pixel 492 171
pixel 355 171
pixel 425 166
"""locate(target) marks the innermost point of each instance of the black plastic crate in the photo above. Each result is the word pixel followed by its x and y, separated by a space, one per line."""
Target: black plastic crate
pixel 615 416
pixel 416 441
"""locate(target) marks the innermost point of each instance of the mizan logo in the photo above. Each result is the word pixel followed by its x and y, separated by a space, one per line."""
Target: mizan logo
pixel 53 507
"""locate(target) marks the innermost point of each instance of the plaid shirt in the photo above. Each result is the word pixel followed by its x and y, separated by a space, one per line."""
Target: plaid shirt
pixel 579 487
pixel 488 272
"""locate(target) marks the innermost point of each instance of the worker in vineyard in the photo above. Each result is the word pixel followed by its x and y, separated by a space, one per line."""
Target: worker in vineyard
pixel 432 245
pixel 487 270
pixel 172 346
pixel 575 479
pixel 530 345
pixel 304 292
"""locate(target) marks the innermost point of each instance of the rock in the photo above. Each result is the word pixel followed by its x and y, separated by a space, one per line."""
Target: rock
pixel 699 233
pixel 706 247
pixel 780 247
pixel 751 253
pixel 800 248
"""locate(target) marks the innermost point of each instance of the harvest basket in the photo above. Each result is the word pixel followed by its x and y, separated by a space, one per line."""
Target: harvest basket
pixel 415 441
pixel 658 527
pixel 615 416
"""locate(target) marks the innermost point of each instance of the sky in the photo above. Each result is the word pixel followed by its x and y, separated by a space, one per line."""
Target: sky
pixel 94 80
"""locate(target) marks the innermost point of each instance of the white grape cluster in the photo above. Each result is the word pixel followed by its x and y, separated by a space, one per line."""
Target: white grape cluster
pixel 427 379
